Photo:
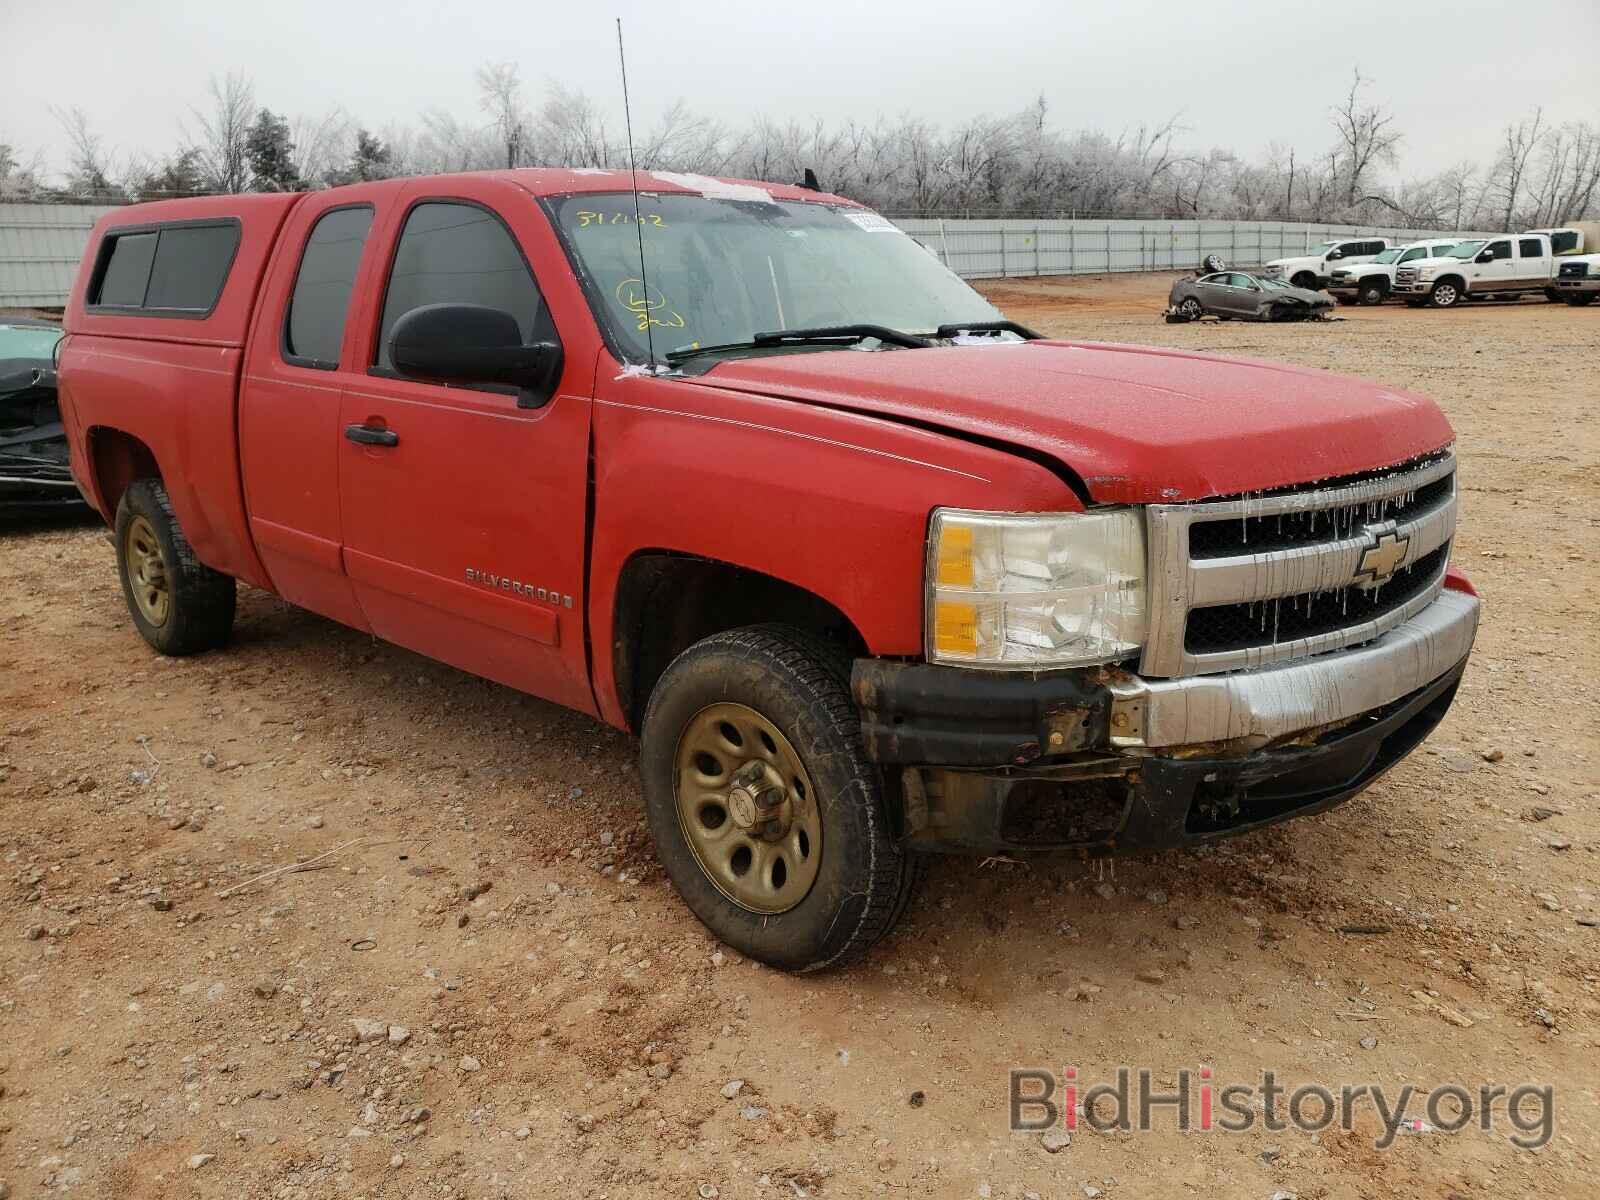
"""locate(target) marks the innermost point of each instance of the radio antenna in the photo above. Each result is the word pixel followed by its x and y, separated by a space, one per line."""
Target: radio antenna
pixel 638 220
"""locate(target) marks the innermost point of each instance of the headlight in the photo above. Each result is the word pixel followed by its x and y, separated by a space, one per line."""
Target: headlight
pixel 1026 591
pixel 1426 272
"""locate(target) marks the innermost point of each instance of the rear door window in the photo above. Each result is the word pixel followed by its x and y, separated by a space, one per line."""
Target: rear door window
pixel 456 253
pixel 313 328
pixel 1530 247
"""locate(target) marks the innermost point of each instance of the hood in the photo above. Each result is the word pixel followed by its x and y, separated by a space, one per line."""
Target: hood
pixel 1432 261
pixel 1307 295
pixel 1135 424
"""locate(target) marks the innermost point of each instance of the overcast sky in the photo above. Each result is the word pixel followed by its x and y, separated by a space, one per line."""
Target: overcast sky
pixel 1242 72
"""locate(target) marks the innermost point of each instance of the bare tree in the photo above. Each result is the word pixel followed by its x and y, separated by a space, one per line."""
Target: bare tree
pixel 321 144
pixel 89 166
pixel 1518 143
pixel 222 132
pixel 573 131
pixel 1366 136
pixel 19 177
pixel 500 95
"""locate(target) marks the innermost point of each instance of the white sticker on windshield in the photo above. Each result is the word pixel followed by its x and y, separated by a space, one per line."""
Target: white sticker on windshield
pixel 871 222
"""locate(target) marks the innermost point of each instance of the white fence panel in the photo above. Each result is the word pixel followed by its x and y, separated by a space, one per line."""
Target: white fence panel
pixel 40 245
pixel 986 248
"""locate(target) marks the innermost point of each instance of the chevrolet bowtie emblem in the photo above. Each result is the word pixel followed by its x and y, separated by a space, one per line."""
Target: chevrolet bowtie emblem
pixel 1380 560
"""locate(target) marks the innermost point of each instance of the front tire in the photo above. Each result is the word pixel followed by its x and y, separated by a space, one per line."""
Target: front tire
pixel 1445 295
pixel 1305 280
pixel 1372 293
pixel 765 812
pixel 1579 301
pixel 178 604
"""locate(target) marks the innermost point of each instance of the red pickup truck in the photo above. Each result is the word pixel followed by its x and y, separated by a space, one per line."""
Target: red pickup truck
pixel 742 468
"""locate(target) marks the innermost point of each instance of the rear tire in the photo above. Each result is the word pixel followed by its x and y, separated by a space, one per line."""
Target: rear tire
pixel 178 604
pixel 786 698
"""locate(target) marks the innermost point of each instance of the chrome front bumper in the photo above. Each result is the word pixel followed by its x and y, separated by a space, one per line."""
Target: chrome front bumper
pixel 1256 707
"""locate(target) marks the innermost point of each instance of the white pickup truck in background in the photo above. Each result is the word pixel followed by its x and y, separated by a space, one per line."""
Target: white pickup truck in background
pixel 1371 282
pixel 1577 266
pixel 1577 278
pixel 1504 267
pixel 1314 268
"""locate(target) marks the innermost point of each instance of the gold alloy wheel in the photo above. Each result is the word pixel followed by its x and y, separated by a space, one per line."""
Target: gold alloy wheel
pixel 747 808
pixel 147 572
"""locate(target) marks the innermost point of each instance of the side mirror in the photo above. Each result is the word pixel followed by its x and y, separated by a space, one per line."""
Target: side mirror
pixel 1486 256
pixel 1333 254
pixel 472 343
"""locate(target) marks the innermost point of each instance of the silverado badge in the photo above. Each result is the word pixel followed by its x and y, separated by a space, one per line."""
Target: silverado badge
pixel 1380 559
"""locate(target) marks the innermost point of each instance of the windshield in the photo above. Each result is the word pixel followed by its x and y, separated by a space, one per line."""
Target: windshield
pixel 1460 249
pixel 28 341
pixel 725 270
pixel 1388 256
pixel 1323 247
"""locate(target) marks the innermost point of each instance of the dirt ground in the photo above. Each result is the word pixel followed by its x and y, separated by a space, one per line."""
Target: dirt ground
pixel 571 1030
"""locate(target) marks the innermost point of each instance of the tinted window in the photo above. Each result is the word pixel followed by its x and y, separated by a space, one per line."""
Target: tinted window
pixel 1499 249
pixel 314 327
pixel 1241 281
pixel 1419 252
pixel 458 254
pixel 127 270
pixel 1530 247
pixel 191 263
pixel 1564 241
pixel 176 268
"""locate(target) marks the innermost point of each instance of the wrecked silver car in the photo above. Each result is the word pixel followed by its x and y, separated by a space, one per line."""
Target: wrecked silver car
pixel 33 444
pixel 1239 294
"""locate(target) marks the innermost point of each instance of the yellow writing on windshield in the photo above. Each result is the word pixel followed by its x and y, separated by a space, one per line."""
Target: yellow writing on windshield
pixel 647 308
pixel 589 220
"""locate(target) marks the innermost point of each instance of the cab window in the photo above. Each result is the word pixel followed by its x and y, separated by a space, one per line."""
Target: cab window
pixel 1498 249
pixel 313 328
pixel 1530 247
pixel 451 252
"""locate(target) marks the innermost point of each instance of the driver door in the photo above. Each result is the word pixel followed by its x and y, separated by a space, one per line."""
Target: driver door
pixel 1242 294
pixel 463 510
pixel 1501 273
pixel 1214 294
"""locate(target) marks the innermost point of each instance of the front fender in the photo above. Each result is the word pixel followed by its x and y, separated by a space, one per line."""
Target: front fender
pixel 836 503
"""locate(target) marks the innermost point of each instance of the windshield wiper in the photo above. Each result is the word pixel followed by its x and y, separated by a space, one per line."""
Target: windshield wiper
pixel 842 335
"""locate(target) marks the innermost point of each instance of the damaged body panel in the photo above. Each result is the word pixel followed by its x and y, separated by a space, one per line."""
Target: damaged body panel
pixel 33 443
pixel 1230 295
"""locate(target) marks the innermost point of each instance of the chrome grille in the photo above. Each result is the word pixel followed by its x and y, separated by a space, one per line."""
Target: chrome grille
pixel 1240 583
pixel 1405 275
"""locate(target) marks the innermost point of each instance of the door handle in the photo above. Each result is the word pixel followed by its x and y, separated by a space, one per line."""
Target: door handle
pixel 368 435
